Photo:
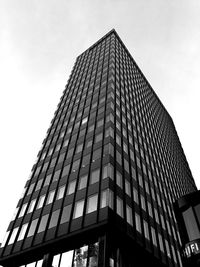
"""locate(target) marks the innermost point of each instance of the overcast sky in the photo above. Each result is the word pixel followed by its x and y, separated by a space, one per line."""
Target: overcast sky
pixel 39 42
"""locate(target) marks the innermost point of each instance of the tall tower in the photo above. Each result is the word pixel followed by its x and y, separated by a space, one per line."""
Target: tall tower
pixel 110 167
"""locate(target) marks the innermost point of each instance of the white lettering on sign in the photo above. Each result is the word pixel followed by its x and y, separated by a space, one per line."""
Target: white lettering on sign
pixel 191 249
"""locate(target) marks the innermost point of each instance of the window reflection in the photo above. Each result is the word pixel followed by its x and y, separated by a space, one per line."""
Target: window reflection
pixel 66 259
pixel 85 256
pixel 80 257
pixel 56 260
pixel 93 255
pixel 39 263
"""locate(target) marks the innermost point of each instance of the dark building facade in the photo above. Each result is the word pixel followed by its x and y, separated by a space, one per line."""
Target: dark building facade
pixel 101 192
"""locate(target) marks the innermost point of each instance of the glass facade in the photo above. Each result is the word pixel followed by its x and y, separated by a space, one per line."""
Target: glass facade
pixel 111 151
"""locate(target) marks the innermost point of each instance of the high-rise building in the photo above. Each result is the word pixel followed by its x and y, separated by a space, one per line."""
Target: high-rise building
pixel 101 192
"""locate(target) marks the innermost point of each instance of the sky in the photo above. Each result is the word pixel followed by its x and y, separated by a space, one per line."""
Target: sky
pixel 39 42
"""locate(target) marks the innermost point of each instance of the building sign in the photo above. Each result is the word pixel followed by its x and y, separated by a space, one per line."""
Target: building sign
pixel 192 248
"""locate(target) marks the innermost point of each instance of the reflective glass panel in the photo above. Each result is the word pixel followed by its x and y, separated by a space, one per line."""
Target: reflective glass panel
pixel 43 223
pixel 66 259
pixel 93 255
pixel 56 260
pixel 23 231
pixel 78 210
pixel 32 228
pixel 66 214
pixel 80 257
pixel 92 203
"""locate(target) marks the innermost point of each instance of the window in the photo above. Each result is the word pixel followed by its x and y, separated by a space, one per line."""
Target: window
pixel 98 137
pixel 50 197
pixel 43 155
pixel 47 180
pixel 39 183
pixel 37 171
pixel 57 147
pixel 70 153
pixel 22 232
pixel 137 223
pixel 92 203
pixel 30 190
pixel 108 150
pixel 54 218
pixel 32 228
pixel 162 221
pixel 82 182
pixel 140 180
pixel 109 132
pixel 85 160
pixel 146 230
pixel 79 148
pixel 127 188
pixel 119 157
pixel 66 214
pixel 161 242
pixel 135 195
pixel 156 215
pixel 118 140
pixel 119 179
pixel 56 175
pixel 31 206
pixel 65 142
pixel 66 260
pixel 75 165
pixel 153 234
pixel 56 260
pixel 100 123
pixel 89 143
pixel 23 210
pixel 94 178
pixel 126 165
pixel 53 162
pixel 66 170
pixel 84 120
pixel 78 209
pixel 104 198
pixel 90 128
pixel 167 248
pixel 147 187
pixel 125 148
pixel 96 155
pixel 50 152
pixel 69 130
pixel 110 118
pixel 132 155
pixel 13 236
pixel 118 126
pixel 143 205
pixel 61 191
pixel 80 257
pixel 71 187
pixel 41 202
pixel 129 216
pixel 150 209
pixel 43 223
pixel 82 132
pixel 120 207
pixel 5 239
pixel 108 171
pixel 76 125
